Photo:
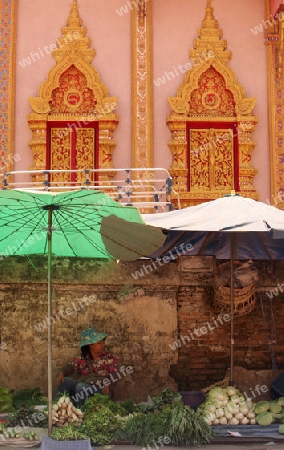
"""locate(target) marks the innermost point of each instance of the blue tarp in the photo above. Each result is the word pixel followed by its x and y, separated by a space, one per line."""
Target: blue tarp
pixel 249 245
pixel 270 432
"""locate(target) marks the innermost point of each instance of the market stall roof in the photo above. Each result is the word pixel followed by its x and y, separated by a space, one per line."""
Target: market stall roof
pixel 258 229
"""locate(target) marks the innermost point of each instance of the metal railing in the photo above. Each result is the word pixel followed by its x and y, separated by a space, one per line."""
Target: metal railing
pixel 144 188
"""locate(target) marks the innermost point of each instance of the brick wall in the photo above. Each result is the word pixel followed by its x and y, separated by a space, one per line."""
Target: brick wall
pixel 205 336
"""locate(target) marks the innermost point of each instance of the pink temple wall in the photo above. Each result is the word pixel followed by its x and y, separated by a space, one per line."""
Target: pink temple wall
pixel 175 26
pixel 275 5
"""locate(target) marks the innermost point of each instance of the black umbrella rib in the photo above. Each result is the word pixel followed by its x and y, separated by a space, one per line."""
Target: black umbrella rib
pixel 79 231
pixel 20 227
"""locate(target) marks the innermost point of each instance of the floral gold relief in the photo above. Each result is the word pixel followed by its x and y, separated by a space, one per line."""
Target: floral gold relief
pixel 211 124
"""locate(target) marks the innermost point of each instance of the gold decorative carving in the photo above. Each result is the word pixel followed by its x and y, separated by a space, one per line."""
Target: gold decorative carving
pixel 204 161
pixel 274 44
pixel 142 92
pixel 39 105
pixel 8 22
pixel 73 93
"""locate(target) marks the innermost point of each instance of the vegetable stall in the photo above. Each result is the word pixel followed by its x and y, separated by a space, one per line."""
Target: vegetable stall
pixel 164 418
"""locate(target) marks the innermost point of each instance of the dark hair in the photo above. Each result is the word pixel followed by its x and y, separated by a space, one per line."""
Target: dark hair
pixel 85 352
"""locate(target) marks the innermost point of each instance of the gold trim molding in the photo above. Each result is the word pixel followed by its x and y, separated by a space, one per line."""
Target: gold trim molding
pixel 142 89
pixel 8 17
pixel 210 55
pixel 73 51
pixel 274 38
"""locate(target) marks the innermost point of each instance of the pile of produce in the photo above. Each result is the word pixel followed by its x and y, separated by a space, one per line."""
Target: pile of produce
pixel 269 412
pixel 164 416
pixel 227 406
pixel 26 398
pixel 10 433
pixel 64 412
pixel 27 418
pixel 68 433
pixel 178 424
pixel 6 400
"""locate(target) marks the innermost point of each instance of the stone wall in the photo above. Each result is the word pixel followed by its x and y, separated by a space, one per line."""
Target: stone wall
pixel 145 310
pixel 139 321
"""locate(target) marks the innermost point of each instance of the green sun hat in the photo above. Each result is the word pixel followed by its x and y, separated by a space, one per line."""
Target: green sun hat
pixel 91 336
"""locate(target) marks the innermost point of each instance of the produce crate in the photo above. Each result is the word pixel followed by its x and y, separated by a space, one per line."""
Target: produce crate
pixel 48 443
pixel 192 398
pixel 277 387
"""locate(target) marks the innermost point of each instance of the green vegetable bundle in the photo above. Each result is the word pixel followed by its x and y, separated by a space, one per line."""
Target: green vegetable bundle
pixel 97 401
pixel 68 433
pixel 28 397
pixel 6 400
pixel 27 417
pixel 101 426
pixel 179 424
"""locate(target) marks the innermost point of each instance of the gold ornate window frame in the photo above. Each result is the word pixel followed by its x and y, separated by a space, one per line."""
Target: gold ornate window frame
pixel 210 51
pixel 73 50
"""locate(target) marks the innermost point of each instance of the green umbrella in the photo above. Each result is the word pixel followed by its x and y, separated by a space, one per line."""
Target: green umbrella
pixel 81 223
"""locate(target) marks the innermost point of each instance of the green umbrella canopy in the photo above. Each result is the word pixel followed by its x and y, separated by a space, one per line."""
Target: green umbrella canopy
pixel 70 224
pixel 76 218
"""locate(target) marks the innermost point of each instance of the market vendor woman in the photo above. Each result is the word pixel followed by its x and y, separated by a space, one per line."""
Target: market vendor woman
pixel 88 374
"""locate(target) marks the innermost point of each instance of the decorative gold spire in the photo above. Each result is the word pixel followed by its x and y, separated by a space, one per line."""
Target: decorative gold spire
pixel 73 39
pixel 74 18
pixel 209 11
pixel 210 40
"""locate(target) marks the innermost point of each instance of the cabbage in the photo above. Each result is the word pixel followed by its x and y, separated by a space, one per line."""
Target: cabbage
pixel 209 418
pixel 231 391
pixel 223 421
pixel 232 408
pixel 220 412
pixel 281 429
pixel 224 402
pixel 261 407
pixel 239 416
pixel 275 407
pixel 210 408
pixel 234 421
pixel 235 399
pixel 216 393
pixel 244 421
pixel 228 415
pixel 244 408
pixel 281 401
pixel 264 418
pixel 207 421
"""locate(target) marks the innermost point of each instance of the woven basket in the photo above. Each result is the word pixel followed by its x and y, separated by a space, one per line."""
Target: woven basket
pixel 244 298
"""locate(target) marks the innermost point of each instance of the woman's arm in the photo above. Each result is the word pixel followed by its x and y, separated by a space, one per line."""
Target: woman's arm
pixel 66 371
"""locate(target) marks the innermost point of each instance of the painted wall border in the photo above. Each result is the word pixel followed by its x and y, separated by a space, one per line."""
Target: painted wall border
pixel 8 23
pixel 142 85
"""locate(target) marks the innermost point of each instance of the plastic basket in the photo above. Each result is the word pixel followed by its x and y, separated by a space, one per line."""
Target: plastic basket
pixel 277 386
pixel 192 398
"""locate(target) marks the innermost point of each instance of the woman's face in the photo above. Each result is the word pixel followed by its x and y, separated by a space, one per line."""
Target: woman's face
pixel 97 348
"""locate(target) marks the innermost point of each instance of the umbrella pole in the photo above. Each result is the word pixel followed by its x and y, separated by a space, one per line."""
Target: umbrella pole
pixel 49 314
pixel 232 251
